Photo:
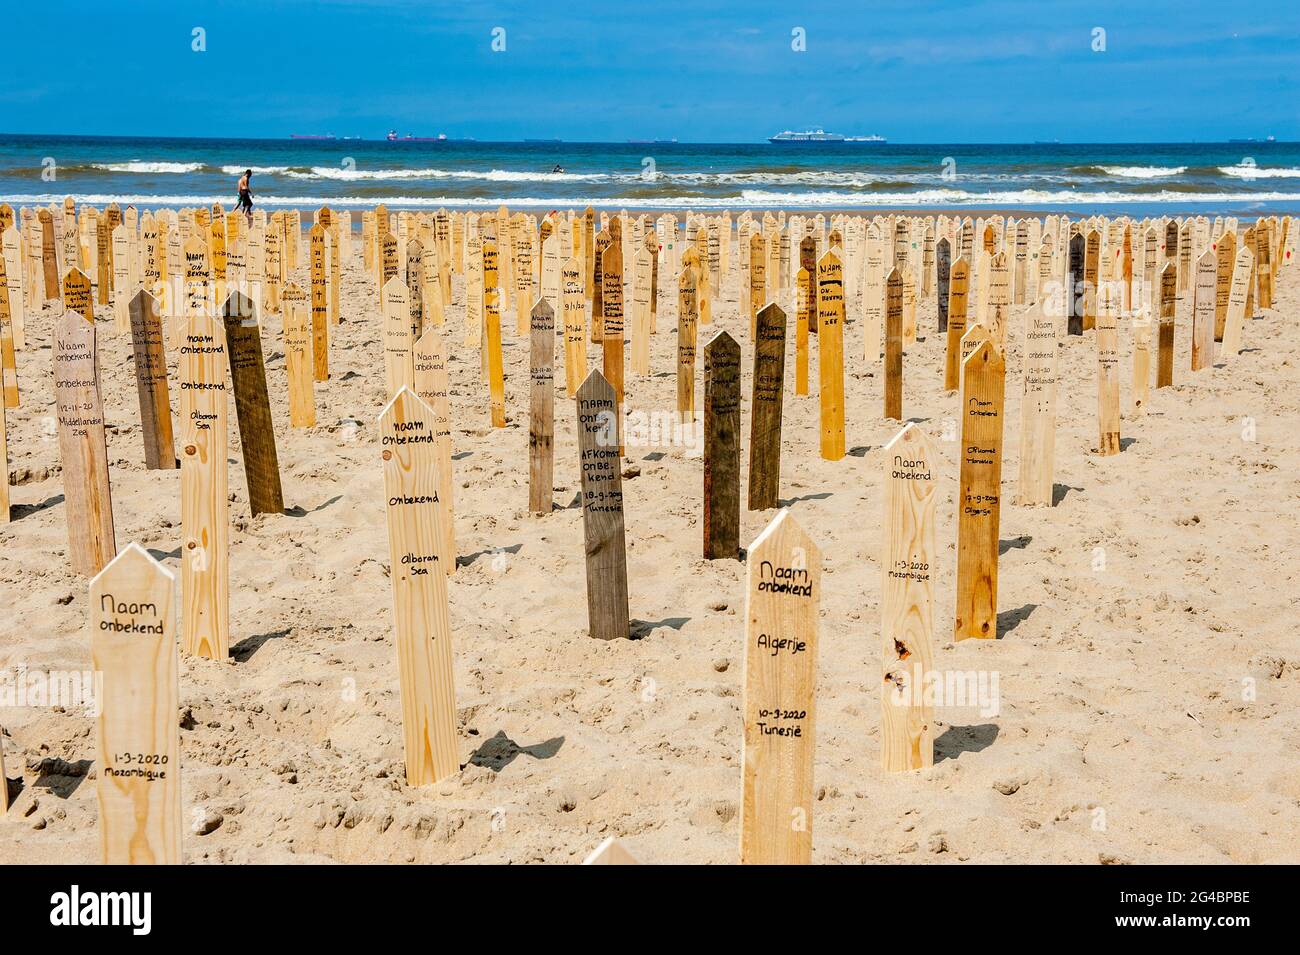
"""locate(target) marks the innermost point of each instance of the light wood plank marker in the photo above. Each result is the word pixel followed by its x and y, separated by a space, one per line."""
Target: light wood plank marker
pixel 298 363
pixel 133 649
pixel 602 509
pixel 804 306
pixel 421 619
pixel 980 500
pixel 611 304
pixel 830 357
pixel 253 405
pixel 1108 418
pixel 205 507
pixel 958 304
pixel 782 599
pixel 1168 309
pixel 1038 406
pixel 492 338
pixel 1091 267
pixel 688 302
pixel 320 317
pixel 431 387
pixel 398 370
pixel 721 522
pixel 78 295
pixel 151 383
pixel 1203 306
pixel 765 408
pixel 573 296
pixel 642 305
pixel 894 345
pixel 82 448
pixel 8 340
pixel 4 510
pixel 907 603
pixel 808 261
pixel 541 408
pixel 1226 256
pixel 1237 296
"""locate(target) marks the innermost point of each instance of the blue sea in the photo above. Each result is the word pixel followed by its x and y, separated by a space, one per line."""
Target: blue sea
pixel 1154 179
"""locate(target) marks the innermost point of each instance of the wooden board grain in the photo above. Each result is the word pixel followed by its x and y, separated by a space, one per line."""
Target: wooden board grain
pixel 88 499
pixel 398 341
pixel 804 304
pixel 320 317
pixel 1204 293
pixel 298 363
pixel 908 564
pixel 611 304
pixel 1107 325
pixel 958 305
pixel 1168 311
pixel 765 408
pixel 721 499
pixel 421 618
pixel 205 508
pixel 782 603
pixel 893 390
pixel 980 494
pixel 1239 292
pixel 541 408
pixel 1076 287
pixel 574 307
pixel 943 280
pixel 1038 406
pixel 687 324
pixel 137 734
pixel 431 386
pixel 495 365
pixel 253 405
pixel 151 382
pixel 602 509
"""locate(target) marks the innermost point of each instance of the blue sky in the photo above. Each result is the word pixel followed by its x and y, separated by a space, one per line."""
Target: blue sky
pixel 914 71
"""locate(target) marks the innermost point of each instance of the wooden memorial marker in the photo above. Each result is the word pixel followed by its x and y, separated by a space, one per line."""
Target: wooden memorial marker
pixel 320 316
pixel 151 383
pixel 979 503
pixel 597 259
pixel 1108 416
pixel 642 304
pixel 765 408
pixel 1203 305
pixel 492 336
pixel 687 322
pixel 1226 257
pixel 894 345
pixel 573 297
pixel 808 260
pixel 602 509
pixel 398 371
pixel 722 448
pixel 431 388
pixel 8 340
pixel 611 304
pixel 298 364
pixel 804 306
pixel 541 408
pixel 1091 271
pixel 1168 309
pixel 1077 288
pixel 421 619
pixel 999 301
pixel 253 406
pixel 782 601
pixel 943 266
pixel 205 507
pixel 17 284
pixel 78 296
pixel 908 565
pixel 133 650
pixel 830 357
pixel 1238 293
pixel 958 304
pixel 1038 406
pixel 757 278
pixel 88 498
pixel 50 258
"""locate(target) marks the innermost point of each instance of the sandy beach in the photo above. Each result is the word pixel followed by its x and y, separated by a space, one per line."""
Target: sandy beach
pixel 1147 667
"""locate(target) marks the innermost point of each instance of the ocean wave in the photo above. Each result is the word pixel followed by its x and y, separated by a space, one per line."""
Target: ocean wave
pixel 340 174
pixel 257 170
pixel 1251 171
pixel 938 198
pixel 1143 172
pixel 140 166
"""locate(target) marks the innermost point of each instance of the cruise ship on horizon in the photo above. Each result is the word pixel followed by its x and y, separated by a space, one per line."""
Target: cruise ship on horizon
pixel 820 135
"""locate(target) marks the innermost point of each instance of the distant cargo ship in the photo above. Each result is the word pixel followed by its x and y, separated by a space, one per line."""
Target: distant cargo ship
pixel 820 135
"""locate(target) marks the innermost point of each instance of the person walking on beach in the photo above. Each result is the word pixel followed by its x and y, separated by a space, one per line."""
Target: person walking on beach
pixel 246 195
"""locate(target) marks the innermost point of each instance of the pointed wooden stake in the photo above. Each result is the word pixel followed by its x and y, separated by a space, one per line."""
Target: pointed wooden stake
pixel 980 500
pixel 205 508
pixel 431 387
pixel 804 287
pixel 907 602
pixel 602 509
pixel 687 322
pixel 611 304
pixel 77 294
pixel 398 371
pixel 830 354
pixel 1108 441
pixel 782 600
pixel 298 363
pixel 86 490
pixel 1203 304
pixel 151 383
pixel 492 338
pixel 573 297
pixel 421 619
pixel 1168 309
pixel 541 408
pixel 958 298
pixel 894 346
pixel 1235 319
pixel 133 651
pixel 721 522
pixel 1038 406
pixel 253 406
pixel 766 409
